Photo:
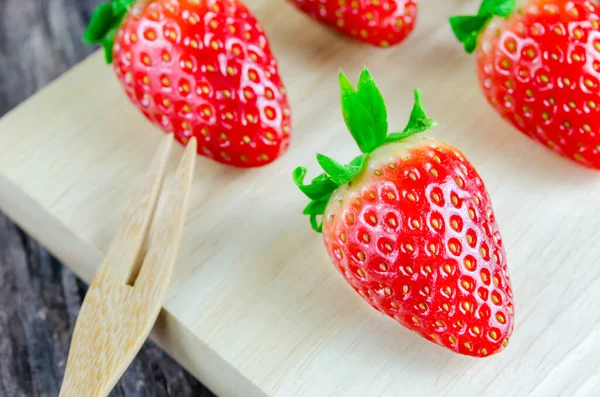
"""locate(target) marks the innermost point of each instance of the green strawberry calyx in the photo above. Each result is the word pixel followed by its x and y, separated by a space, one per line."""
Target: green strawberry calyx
pixel 365 115
pixel 468 27
pixel 105 22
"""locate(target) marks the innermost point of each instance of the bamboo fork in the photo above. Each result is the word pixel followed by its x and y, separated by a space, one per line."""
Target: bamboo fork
pixel 127 292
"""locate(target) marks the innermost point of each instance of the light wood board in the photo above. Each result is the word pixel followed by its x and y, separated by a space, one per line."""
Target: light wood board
pixel 255 307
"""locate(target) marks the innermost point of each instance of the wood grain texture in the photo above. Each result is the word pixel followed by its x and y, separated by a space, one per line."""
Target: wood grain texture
pixel 39 298
pixel 255 307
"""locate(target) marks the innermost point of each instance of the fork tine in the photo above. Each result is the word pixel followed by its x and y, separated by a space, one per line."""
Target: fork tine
pixel 122 260
pixel 155 273
pixel 115 318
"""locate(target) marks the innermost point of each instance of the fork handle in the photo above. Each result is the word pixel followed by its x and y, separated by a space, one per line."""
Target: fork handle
pixel 112 325
pixel 89 389
pixel 90 368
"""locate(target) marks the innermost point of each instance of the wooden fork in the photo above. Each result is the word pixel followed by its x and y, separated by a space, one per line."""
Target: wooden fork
pixel 128 290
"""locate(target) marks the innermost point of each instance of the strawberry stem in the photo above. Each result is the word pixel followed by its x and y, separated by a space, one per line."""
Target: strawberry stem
pixel 105 22
pixel 365 115
pixel 467 28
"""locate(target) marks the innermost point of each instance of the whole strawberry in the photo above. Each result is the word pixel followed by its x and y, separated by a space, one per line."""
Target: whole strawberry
pixel 539 66
pixel 410 226
pixel 199 68
pixel 381 23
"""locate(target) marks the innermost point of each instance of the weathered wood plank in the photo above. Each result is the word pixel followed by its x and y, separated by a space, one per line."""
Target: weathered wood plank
pixel 39 298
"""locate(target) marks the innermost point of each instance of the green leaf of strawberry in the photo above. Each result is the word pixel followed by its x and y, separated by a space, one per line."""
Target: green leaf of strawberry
pixel 313 209
pixel 418 122
pixel 364 111
pixel 319 187
pixel 121 6
pixel 340 173
pixel 102 20
pixel 468 27
pixel 366 118
pixel 105 22
pixel 501 8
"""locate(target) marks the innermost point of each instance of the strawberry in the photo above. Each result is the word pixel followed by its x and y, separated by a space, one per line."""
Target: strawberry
pixel 410 226
pixel 199 68
pixel 381 23
pixel 539 67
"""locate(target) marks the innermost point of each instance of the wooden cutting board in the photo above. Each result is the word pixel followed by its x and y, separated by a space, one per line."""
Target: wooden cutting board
pixel 255 307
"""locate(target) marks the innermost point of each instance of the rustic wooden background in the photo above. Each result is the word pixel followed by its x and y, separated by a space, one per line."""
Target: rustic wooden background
pixel 39 298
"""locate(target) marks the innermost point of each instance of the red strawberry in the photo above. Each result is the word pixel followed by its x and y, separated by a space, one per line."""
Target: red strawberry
pixel 381 23
pixel 540 69
pixel 199 68
pixel 410 226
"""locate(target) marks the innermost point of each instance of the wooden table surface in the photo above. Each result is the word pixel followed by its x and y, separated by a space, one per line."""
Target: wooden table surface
pixel 39 298
pixel 269 315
